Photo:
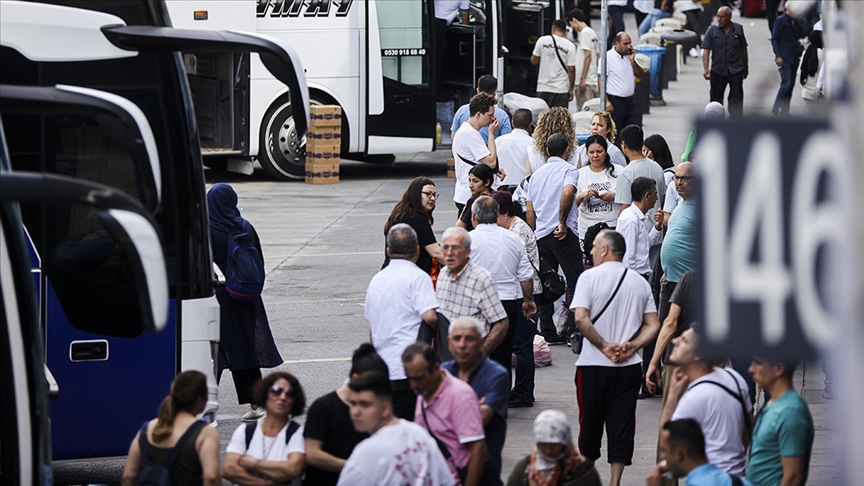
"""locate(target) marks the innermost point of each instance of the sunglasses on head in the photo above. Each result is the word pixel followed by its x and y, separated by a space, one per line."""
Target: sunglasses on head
pixel 278 390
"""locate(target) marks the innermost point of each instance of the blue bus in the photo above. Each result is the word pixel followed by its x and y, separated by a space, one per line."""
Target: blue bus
pixel 128 49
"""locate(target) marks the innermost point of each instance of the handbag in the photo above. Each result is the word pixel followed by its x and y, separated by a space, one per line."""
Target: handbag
pixel 551 281
pixel 577 339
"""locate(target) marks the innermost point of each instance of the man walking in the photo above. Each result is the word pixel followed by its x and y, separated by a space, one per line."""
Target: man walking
pixel 631 224
pixel 557 59
pixel 513 147
pixel 398 299
pixel 716 398
pixel 489 85
pixel 503 254
pixel 552 215
pixel 467 289
pixel 783 434
pixel 586 57
pixel 726 47
pixel 621 73
pixel 785 42
pixel 448 409
pixel 398 451
pixel 609 371
pixel 469 149
pixel 489 381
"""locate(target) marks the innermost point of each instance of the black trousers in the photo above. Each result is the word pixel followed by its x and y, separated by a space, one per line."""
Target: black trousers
pixel 736 91
pixel 607 397
pixel 404 399
pixel 567 254
pixel 624 112
pixel 503 354
pixel 693 23
pixel 244 380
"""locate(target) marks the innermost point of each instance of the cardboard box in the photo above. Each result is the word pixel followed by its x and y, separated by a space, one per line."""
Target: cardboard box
pixel 322 173
pixel 323 153
pixel 324 134
pixel 325 116
pixel 451 168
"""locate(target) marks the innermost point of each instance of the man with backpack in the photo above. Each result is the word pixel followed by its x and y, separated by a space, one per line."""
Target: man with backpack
pixel 557 59
pixel 716 398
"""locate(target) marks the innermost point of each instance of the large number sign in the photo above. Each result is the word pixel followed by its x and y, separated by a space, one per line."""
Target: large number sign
pixel 776 204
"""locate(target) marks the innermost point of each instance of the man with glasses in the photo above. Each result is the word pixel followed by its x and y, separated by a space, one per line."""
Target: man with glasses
pixel 469 149
pixel 398 299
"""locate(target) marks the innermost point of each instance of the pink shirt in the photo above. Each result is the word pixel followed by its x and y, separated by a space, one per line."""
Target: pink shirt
pixel 454 416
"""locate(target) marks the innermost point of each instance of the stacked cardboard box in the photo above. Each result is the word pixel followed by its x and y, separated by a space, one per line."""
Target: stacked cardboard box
pixel 451 168
pixel 323 144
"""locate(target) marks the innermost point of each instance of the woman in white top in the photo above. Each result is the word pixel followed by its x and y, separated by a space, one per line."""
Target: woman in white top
pixel 602 124
pixel 595 189
pixel 551 121
pixel 269 454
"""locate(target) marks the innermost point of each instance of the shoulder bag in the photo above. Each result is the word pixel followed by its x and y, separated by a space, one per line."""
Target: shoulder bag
pixel 576 340
pixel 461 471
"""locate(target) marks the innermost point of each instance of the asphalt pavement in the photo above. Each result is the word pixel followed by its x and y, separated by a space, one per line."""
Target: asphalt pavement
pixel 323 243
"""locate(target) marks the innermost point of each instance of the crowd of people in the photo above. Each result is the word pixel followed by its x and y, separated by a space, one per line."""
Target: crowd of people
pixel 452 324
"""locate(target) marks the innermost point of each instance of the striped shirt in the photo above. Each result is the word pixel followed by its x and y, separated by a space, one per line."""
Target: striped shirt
pixel 472 292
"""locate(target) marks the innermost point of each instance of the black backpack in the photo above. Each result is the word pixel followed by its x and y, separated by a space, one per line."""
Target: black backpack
pixel 152 474
pixel 244 272
pixel 250 431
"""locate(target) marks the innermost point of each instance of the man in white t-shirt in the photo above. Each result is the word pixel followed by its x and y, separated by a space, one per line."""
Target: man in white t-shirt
pixel 609 371
pixel 513 146
pixel 397 451
pixel 586 58
pixel 557 59
pixel 398 299
pixel 715 397
pixel 469 149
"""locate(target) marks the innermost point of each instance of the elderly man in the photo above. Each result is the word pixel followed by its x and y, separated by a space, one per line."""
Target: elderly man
pixel 609 371
pixel 503 254
pixel 449 410
pixel 398 298
pixel 467 289
pixel 489 381
pixel 725 45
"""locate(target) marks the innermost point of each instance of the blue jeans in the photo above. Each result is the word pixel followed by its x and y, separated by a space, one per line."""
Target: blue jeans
pixel 616 16
pixel 523 348
pixel 787 84
pixel 652 17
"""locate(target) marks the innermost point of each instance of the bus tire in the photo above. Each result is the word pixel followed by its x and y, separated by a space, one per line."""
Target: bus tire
pixel 280 151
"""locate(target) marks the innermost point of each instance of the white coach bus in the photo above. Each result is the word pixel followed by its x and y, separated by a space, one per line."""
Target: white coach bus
pixel 375 59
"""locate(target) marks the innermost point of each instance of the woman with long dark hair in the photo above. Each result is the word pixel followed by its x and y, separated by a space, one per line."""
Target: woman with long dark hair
pixel 198 458
pixel 480 179
pixel 246 343
pixel 415 209
pixel 595 189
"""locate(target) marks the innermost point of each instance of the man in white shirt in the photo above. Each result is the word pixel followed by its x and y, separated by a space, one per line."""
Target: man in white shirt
pixel 486 84
pixel 397 451
pixel 586 57
pixel 609 371
pixel 552 214
pixel 398 298
pixel 631 225
pixel 621 73
pixel 446 12
pixel 715 397
pixel 513 147
pixel 557 59
pixel 503 254
pixel 469 149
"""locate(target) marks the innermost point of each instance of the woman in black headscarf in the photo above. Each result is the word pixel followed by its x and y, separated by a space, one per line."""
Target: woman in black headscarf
pixel 246 344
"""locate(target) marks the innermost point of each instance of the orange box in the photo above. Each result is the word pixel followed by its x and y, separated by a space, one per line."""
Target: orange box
pixel 451 168
pixel 325 116
pixel 322 173
pixel 324 135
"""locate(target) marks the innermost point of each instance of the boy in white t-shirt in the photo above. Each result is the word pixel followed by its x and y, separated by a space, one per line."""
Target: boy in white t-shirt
pixel 469 149
pixel 586 58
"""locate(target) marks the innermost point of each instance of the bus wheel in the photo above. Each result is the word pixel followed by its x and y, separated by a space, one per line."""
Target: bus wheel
pixel 280 151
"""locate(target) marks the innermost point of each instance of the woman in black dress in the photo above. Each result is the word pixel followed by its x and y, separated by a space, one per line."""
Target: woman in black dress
pixel 415 209
pixel 480 179
pixel 246 344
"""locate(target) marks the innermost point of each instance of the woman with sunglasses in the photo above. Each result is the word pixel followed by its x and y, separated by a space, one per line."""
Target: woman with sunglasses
pixel 415 209
pixel 177 427
pixel 480 179
pixel 272 449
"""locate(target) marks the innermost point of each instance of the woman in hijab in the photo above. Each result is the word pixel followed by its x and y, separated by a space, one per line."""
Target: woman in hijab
pixel 246 344
pixel 555 460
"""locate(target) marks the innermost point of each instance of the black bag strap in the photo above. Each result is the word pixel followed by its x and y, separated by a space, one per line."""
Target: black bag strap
pixel 739 399
pixel 472 163
pixel 250 431
pixel 623 275
pixel 442 446
pixel 557 54
pixel 144 443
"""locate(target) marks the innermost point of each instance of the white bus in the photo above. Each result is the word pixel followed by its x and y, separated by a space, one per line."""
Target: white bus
pixel 374 58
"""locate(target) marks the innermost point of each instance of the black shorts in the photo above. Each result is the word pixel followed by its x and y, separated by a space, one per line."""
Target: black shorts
pixel 607 396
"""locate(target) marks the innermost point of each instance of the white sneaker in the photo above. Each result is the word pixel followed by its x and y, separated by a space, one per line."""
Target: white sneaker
pixel 253 415
pixel 694 52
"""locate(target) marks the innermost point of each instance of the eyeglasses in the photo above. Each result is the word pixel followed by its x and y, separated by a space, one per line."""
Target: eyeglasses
pixel 278 390
pixel 683 178
pixel 430 195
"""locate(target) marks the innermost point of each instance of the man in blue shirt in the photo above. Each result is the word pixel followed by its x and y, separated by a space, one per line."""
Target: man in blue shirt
pixel 486 84
pixel 683 448
pixel 783 434
pixel 490 382
pixel 785 41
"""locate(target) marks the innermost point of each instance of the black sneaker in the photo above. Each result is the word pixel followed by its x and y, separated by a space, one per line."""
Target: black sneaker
pixel 519 402
pixel 555 340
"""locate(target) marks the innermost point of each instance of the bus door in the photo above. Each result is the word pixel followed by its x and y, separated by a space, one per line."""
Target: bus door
pixel 526 21
pixel 472 50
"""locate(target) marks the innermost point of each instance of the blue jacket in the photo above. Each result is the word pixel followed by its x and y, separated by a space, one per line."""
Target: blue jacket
pixel 784 39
